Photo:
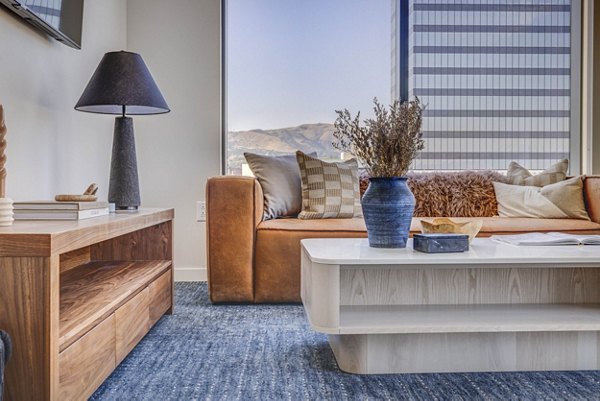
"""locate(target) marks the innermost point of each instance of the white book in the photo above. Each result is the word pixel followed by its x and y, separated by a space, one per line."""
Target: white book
pixel 59 205
pixel 59 214
pixel 553 238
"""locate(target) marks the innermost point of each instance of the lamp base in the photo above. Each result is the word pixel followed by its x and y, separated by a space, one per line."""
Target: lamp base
pixel 126 208
pixel 124 188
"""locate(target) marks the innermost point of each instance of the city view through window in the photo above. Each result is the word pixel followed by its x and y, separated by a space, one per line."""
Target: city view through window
pixel 495 76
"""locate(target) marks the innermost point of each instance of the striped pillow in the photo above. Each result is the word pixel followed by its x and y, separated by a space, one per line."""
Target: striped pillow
pixel 329 190
pixel 519 175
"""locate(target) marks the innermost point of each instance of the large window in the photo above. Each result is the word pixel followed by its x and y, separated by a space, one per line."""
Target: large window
pixel 499 78
pixel 291 63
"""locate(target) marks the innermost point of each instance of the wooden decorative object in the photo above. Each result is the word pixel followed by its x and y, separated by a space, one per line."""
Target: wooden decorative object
pixel 88 196
pixel 445 225
pixel 92 189
pixel 2 154
pixel 6 204
pixel 75 198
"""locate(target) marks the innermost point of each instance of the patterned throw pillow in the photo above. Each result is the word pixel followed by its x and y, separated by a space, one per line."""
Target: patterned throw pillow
pixel 519 175
pixel 329 190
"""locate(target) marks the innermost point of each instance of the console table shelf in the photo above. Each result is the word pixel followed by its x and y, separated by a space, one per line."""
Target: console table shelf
pixel 91 292
pixel 77 296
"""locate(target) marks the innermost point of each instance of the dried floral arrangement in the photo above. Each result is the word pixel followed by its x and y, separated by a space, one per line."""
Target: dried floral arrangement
pixel 387 144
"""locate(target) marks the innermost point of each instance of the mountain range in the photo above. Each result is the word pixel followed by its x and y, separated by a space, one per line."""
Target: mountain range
pixel 306 137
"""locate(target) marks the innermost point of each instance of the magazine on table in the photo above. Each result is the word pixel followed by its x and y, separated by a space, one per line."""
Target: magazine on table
pixel 553 238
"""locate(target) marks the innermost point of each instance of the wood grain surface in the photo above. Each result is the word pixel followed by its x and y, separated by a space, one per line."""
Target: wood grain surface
pixel 43 238
pixel 28 296
pixel 88 362
pixel 150 243
pixel 20 245
pixel 132 322
pixel 466 318
pixel 462 352
pixel 60 306
pixel 161 296
pixel 90 293
pixel 320 292
pixel 469 285
pixel 75 258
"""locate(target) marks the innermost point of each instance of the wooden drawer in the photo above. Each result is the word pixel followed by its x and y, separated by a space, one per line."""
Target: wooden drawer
pixel 161 296
pixel 132 323
pixel 85 364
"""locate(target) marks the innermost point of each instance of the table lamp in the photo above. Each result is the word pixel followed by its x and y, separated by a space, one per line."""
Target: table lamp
pixel 122 84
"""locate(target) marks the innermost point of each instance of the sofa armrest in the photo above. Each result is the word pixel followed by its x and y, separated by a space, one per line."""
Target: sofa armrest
pixel 591 192
pixel 234 207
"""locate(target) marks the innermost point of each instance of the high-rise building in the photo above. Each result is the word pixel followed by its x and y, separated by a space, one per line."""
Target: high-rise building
pixel 499 79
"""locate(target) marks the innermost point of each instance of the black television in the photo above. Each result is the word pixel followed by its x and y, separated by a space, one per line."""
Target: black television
pixel 61 19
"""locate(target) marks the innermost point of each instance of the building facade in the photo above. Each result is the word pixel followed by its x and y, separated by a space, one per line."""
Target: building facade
pixel 497 80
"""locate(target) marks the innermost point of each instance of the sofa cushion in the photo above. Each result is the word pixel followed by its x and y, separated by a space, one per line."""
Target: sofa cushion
pixel 519 175
pixel 451 194
pixel 279 178
pixel 277 253
pixel 329 190
pixel 325 225
pixel 491 225
pixel 563 199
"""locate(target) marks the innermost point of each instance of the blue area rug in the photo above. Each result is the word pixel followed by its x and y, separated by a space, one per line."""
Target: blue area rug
pixel 268 352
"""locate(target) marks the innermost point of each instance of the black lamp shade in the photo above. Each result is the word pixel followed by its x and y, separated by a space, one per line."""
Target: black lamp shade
pixel 122 84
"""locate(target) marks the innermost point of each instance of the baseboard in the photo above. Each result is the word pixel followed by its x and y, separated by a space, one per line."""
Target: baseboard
pixel 190 273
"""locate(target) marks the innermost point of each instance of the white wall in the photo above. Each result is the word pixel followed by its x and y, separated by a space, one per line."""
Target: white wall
pixel 51 147
pixel 54 149
pixel 180 42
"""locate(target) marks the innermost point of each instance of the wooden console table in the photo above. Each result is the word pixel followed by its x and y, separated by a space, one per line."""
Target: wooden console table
pixel 77 296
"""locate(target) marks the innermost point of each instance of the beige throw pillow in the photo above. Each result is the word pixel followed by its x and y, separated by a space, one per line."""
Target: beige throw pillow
pixel 519 175
pixel 279 178
pixel 561 200
pixel 329 190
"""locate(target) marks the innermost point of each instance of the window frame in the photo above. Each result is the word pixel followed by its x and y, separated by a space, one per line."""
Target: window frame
pixel 400 80
pixel 575 125
pixel 224 116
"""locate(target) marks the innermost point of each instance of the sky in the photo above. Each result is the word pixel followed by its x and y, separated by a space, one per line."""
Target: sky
pixel 292 62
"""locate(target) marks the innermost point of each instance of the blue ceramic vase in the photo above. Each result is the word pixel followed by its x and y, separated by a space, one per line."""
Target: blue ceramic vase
pixel 388 206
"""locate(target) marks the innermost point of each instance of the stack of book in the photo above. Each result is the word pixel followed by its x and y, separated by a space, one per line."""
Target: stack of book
pixel 52 210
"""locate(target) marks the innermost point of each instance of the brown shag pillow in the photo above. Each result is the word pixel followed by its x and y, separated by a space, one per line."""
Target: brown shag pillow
pixel 453 194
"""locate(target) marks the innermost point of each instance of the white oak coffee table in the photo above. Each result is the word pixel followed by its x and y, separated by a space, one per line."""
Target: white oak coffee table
pixel 495 308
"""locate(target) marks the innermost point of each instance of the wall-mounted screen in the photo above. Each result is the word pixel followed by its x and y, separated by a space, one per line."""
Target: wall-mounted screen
pixel 61 19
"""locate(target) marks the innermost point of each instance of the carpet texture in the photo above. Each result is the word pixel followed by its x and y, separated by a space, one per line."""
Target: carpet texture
pixel 268 352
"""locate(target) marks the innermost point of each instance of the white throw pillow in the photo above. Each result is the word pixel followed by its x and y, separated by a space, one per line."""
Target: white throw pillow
pixel 561 200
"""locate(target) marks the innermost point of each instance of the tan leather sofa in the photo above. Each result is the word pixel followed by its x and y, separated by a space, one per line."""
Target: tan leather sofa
pixel 256 261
